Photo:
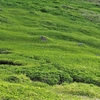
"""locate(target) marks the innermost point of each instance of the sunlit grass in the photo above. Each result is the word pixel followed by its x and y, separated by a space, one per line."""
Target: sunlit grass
pixel 49 50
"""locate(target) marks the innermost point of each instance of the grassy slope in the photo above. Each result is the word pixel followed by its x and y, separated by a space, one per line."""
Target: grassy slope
pixel 69 52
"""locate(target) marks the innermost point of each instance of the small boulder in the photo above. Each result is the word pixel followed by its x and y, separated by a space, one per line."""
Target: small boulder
pixel 80 44
pixel 43 38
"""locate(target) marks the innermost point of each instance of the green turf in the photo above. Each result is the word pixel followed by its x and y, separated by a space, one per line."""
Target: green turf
pixel 49 50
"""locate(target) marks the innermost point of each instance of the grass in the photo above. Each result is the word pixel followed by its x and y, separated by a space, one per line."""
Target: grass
pixel 49 50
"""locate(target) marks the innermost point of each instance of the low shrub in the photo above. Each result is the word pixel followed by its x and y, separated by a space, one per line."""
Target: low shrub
pixel 85 77
pixel 18 79
pixel 51 78
pixel 47 74
pixel 12 78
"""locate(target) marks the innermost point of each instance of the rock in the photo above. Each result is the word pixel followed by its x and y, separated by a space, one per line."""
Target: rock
pixel 80 44
pixel 43 38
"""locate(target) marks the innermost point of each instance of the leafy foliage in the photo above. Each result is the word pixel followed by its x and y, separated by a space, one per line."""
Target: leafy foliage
pixel 49 50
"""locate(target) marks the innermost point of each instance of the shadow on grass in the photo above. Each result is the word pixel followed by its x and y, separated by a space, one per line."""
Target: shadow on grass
pixel 6 62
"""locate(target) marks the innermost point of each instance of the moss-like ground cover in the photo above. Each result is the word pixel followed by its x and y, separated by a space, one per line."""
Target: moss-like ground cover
pixel 49 50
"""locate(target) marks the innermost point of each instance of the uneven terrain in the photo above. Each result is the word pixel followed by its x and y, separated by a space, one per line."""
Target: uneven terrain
pixel 49 49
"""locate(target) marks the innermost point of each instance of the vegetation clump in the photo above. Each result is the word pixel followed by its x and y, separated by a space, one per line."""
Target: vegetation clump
pixel 18 79
pixel 49 49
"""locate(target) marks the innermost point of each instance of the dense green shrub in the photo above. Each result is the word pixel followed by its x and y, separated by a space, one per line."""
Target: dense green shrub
pixel 54 73
pixel 52 77
pixel 84 77
pixel 47 74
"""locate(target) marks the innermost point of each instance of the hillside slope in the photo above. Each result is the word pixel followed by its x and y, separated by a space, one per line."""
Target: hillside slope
pixel 49 49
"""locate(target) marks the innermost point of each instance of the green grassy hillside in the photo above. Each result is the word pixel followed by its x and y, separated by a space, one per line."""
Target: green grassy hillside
pixel 49 49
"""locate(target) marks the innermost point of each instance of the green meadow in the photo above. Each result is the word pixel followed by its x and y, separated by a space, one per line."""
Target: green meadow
pixel 49 49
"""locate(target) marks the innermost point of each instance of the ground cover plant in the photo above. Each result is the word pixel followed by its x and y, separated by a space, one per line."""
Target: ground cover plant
pixel 49 50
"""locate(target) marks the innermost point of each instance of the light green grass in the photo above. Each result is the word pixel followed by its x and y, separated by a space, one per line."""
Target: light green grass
pixel 65 65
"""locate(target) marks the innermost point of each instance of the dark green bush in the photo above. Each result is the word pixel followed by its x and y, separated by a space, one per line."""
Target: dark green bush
pixel 84 77
pixel 57 74
pixel 47 74
pixel 50 77
pixel 44 10
pixel 14 79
